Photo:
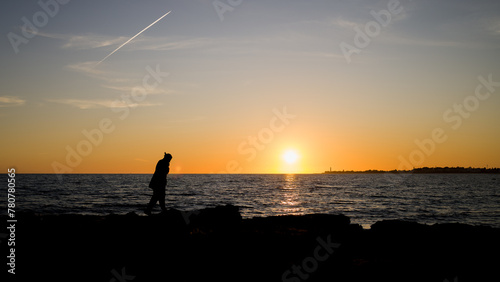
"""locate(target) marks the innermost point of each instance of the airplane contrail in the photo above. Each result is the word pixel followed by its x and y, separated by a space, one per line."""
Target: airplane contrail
pixel 132 38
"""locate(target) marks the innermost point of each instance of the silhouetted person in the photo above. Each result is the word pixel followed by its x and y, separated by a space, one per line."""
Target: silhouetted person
pixel 158 183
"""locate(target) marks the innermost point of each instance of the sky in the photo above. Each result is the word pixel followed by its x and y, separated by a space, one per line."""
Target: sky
pixel 248 86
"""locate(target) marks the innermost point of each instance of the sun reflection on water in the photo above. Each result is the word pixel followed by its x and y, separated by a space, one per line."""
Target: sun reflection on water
pixel 290 196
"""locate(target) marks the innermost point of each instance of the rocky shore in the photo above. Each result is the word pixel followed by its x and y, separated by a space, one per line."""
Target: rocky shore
pixel 216 244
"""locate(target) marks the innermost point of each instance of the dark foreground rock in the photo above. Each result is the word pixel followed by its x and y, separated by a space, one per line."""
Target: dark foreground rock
pixel 217 245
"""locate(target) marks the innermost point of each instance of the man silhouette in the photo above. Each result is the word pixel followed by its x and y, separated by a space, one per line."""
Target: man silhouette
pixel 158 183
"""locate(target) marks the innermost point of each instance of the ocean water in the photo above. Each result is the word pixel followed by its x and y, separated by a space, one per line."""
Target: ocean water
pixel 365 198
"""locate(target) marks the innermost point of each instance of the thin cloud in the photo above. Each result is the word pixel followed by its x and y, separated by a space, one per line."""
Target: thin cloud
pixel 129 89
pixel 169 44
pixel 491 25
pixel 87 68
pixel 96 104
pixel 91 41
pixel 82 41
pixel 411 41
pixel 11 101
pixel 340 22
pixel 142 43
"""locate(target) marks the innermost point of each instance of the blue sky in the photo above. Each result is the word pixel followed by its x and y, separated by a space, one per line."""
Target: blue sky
pixel 226 76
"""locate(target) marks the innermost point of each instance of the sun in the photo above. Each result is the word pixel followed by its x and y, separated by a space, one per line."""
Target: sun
pixel 290 156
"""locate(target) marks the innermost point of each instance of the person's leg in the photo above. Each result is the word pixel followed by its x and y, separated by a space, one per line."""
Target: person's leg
pixel 152 203
pixel 161 199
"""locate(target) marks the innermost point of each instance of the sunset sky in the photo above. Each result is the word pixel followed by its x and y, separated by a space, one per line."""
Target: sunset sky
pixel 249 86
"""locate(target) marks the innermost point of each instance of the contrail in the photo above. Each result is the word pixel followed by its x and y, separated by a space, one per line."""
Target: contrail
pixel 132 38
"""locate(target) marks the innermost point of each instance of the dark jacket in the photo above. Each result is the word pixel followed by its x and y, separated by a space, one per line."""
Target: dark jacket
pixel 159 179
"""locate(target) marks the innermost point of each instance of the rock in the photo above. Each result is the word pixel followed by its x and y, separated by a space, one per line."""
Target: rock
pixel 218 218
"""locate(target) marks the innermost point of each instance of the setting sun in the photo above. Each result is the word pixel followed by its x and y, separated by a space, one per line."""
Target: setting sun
pixel 290 157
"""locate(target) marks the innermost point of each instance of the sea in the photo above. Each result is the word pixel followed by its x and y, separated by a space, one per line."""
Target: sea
pixel 365 198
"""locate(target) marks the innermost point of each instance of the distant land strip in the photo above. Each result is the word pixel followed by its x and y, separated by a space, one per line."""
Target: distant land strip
pixel 424 170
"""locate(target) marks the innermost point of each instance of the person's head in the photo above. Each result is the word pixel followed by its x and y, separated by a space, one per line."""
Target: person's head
pixel 167 157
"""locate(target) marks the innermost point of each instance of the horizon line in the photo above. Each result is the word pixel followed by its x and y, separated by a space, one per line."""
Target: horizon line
pixel 323 172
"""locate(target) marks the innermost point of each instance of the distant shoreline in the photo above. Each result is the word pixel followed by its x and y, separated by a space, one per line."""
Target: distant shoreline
pixel 423 170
